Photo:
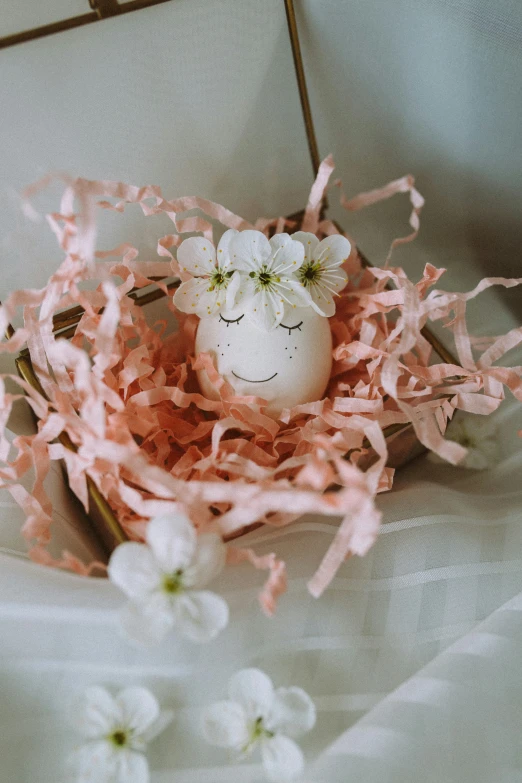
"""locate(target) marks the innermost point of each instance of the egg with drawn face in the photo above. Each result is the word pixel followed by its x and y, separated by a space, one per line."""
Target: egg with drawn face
pixel 286 366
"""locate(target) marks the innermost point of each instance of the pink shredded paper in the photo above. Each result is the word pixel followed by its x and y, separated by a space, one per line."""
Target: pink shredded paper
pixel 126 393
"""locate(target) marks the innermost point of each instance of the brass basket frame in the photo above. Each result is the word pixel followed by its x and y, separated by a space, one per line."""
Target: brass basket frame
pixel 105 525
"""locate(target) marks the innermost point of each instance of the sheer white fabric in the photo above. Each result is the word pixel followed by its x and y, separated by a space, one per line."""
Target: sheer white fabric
pixel 412 656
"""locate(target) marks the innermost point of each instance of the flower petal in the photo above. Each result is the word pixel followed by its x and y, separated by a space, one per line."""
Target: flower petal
pixel 309 241
pixel 292 295
pixel 322 300
pixel 200 615
pixel 479 436
pixel 249 250
pixel 332 251
pixel 139 708
pixel 94 762
pixel 134 570
pixel 253 689
pixel 335 279
pixel 172 539
pixel 208 561
pixel 225 725
pixel 245 293
pixel 282 758
pixel 266 310
pixel 211 302
pixel 131 767
pixel 165 719
pixel 95 712
pixel 294 292
pixel 148 623
pixel 223 248
pixel 232 290
pixel 486 454
pixel 287 255
pixel 197 255
pixel 293 712
pixel 192 296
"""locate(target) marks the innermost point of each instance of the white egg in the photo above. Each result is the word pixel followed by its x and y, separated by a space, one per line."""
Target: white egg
pixel 286 366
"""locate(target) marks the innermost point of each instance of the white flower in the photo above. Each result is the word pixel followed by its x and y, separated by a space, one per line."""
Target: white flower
pixel 214 283
pixel 321 272
pixel 159 578
pixel 118 730
pixel 257 715
pixel 269 287
pixel 478 434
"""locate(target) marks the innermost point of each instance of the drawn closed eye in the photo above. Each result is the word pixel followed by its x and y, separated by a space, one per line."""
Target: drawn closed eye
pixel 291 328
pixel 229 321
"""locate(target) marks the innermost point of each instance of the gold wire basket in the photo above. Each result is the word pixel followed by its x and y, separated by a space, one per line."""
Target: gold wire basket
pixel 402 442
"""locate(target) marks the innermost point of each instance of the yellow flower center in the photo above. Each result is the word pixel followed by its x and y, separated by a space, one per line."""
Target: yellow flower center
pixel 119 738
pixel 173 583
pixel 265 279
pixel 310 273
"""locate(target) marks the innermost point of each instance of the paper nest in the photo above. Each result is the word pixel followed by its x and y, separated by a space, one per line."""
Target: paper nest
pixel 128 398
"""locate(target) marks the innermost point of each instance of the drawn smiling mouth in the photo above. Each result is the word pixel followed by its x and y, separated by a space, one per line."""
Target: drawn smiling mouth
pixel 248 381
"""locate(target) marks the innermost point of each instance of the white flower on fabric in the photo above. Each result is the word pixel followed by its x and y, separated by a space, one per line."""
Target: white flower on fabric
pixel 118 730
pixel 321 272
pixel 214 283
pixel 257 715
pixel 163 578
pixel 478 434
pixel 269 286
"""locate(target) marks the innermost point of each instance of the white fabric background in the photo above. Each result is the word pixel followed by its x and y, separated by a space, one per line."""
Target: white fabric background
pixel 395 700
pixel 413 655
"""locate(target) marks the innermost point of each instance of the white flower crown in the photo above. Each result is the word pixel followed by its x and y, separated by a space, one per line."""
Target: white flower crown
pixel 264 278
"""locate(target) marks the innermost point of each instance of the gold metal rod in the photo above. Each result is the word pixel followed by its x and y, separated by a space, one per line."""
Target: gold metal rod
pixel 69 24
pixel 73 314
pixel 26 371
pixel 9 331
pixel 301 83
pixel 105 8
pixel 47 29
pixel 64 324
pixel 446 356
